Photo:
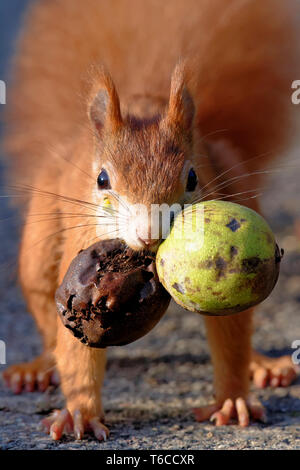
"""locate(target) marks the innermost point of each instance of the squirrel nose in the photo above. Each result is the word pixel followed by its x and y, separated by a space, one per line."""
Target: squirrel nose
pixel 148 242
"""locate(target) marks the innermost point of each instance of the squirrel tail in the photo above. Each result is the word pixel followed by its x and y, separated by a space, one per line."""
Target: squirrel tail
pixel 245 57
pixel 248 64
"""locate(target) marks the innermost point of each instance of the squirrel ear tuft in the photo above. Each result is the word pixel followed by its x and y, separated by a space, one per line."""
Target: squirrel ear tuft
pixel 181 109
pixel 104 104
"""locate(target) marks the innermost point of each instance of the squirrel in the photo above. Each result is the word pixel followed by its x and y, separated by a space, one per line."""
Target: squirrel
pixel 123 102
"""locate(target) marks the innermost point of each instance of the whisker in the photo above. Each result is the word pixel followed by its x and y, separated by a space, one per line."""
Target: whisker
pixel 190 209
pixel 109 212
pixel 234 167
pixel 248 191
pixel 55 153
pixel 120 200
pixel 257 172
pixel 79 214
pixel 67 199
pixel 230 181
pixel 116 232
pixel 33 190
pixel 48 237
pixel 59 218
pixel 58 232
pixel 209 134
pixel 238 194
pixel 224 196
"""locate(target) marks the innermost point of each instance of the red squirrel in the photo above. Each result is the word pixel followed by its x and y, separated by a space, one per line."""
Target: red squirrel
pixel 150 102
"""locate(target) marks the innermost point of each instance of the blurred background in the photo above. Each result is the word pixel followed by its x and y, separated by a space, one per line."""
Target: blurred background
pixel 151 385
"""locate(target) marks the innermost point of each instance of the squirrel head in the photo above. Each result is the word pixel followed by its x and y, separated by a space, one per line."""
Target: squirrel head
pixel 142 165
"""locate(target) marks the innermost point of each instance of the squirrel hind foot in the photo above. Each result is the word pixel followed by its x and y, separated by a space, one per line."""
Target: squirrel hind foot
pixel 274 372
pixel 31 376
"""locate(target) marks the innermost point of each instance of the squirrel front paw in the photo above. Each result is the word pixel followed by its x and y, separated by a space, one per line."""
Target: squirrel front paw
pixel 62 421
pixel 239 409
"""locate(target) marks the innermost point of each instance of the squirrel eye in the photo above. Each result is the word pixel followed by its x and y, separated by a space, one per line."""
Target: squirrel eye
pixel 191 181
pixel 103 180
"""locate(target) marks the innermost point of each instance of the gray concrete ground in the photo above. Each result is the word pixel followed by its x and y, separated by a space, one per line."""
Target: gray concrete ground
pixel 151 385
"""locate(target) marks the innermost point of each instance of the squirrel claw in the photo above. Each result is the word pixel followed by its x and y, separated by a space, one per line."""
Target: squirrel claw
pixel 239 408
pixel 60 422
pixel 100 431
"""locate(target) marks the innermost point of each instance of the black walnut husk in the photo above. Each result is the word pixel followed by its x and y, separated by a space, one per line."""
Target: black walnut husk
pixel 111 295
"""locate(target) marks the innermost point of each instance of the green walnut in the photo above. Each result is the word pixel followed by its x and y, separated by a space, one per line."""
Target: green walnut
pixel 220 258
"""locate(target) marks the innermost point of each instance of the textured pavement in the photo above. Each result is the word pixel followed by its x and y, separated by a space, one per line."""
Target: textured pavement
pixel 152 385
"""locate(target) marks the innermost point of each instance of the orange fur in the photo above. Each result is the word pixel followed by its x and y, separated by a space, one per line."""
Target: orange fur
pixel 229 101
